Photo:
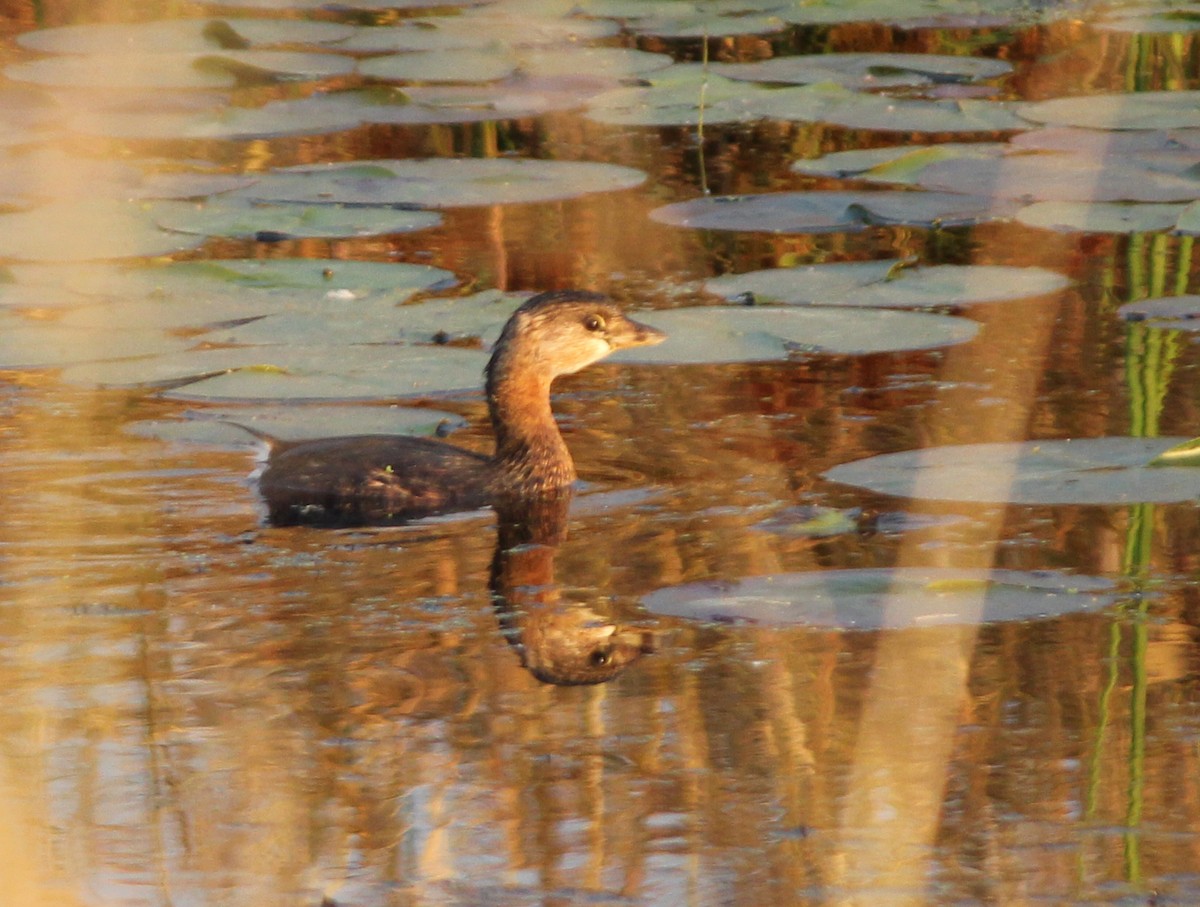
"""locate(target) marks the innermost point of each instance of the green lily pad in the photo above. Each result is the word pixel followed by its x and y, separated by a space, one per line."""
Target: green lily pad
pixel 1185 454
pixel 1149 144
pixel 685 93
pixel 856 110
pixel 1189 219
pixel 241 219
pixel 1061 177
pixel 864 161
pixel 224 69
pixel 1177 313
pixel 1151 19
pixel 187 36
pixel 47 344
pixel 716 334
pixel 1135 110
pixel 441 182
pixel 325 372
pixel 442 320
pixel 294 422
pixel 146 120
pixel 807 521
pixel 926 13
pixel 465 65
pixel 887 284
pixel 832 212
pixel 44 174
pixel 1082 471
pixel 1101 217
pixel 85 230
pixel 477 30
pixel 866 70
pixel 199 295
pixel 895 598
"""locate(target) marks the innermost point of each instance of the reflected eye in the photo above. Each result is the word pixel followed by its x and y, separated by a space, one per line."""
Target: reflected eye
pixel 599 658
pixel 593 323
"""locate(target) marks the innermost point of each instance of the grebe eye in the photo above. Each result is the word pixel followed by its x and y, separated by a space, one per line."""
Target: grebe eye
pixel 599 658
pixel 593 323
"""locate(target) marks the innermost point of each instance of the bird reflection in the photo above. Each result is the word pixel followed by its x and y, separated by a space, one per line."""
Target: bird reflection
pixel 560 642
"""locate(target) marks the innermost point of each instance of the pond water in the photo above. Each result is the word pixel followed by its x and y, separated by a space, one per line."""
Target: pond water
pixel 893 540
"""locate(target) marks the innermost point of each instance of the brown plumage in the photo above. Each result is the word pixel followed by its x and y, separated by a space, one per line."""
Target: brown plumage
pixel 392 478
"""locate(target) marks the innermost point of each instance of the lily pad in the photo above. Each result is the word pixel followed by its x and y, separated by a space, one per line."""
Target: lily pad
pixel 682 19
pixel 1152 19
pixel 199 295
pixel 887 284
pixel 47 344
pixel 1135 110
pixel 294 423
pixel 195 36
pixel 897 165
pixel 147 120
pixel 440 66
pixel 866 70
pixel 832 212
pixel 1081 471
pixel 1178 313
pixel 85 230
pixel 241 219
pixel 1101 217
pixel 895 598
pixel 1061 177
pixel 685 94
pixel 441 182
pixel 715 334
pixel 926 13
pixel 325 372
pixel 224 69
pixel 477 30
pixel 437 321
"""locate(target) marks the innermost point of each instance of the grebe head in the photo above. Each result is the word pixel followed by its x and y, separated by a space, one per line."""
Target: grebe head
pixel 561 332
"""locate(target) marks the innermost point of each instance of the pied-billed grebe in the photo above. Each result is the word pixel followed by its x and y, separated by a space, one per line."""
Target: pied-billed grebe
pixel 386 478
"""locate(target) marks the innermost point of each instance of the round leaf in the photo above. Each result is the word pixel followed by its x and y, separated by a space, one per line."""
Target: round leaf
pixel 754 334
pixel 873 599
pixel 1082 471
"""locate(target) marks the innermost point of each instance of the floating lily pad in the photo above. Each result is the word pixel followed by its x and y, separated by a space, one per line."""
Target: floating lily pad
pixel 478 30
pixel 926 13
pixel 225 69
pixel 898 165
pixel 685 93
pixel 887 284
pixel 831 212
pixel 1179 313
pixel 294 423
pixel 873 599
pixel 1101 217
pixel 441 182
pixel 1135 110
pixel 440 66
pixel 195 36
pixel 1152 19
pixel 682 19
pixel 443 320
pixel 202 294
pixel 759 334
pixel 1060 177
pixel 324 372
pixel 85 230
pixel 47 344
pixel 1149 144
pixel 1083 471
pixel 866 70
pixel 241 219
pixel 813 522
pixel 26 113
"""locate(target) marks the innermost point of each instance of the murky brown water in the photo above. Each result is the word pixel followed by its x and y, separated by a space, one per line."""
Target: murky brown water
pixel 196 708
